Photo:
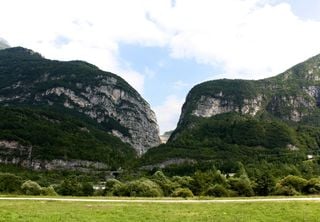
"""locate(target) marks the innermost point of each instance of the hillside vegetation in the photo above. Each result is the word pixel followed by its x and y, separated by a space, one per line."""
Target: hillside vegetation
pixel 223 122
pixel 53 135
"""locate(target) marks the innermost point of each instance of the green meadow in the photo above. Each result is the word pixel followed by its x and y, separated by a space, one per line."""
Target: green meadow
pixel 45 210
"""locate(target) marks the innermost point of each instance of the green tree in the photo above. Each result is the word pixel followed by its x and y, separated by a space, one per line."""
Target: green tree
pixel 264 184
pixel 182 192
pixel 31 188
pixel 111 186
pixel 48 191
pixel 183 181
pixel 164 182
pixel 241 185
pixel 290 185
pixel 69 187
pixel 144 188
pixel 10 183
pixel 87 189
pixel 312 186
pixel 217 190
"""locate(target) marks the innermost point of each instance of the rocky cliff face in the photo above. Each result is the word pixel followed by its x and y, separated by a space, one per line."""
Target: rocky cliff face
pixel 293 95
pixel 224 122
pixel 26 78
pixel 210 106
pixel 12 152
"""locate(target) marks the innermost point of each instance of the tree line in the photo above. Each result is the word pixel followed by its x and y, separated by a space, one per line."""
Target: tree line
pixel 211 183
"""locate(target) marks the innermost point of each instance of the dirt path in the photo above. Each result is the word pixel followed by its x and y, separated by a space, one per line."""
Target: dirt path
pixel 248 200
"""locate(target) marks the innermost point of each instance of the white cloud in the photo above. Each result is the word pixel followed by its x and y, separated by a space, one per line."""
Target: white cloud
pixel 244 38
pixel 81 29
pixel 248 38
pixel 168 113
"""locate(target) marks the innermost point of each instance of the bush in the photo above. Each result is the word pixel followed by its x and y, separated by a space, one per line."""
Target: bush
pixel 217 191
pixel 144 188
pixel 69 187
pixel 201 181
pixel 182 192
pixel 184 182
pixel 165 183
pixel 285 190
pixel 111 186
pixel 10 183
pixel 264 184
pixel 121 190
pixel 295 182
pixel 242 186
pixel 48 191
pixel 312 186
pixel 291 185
pixel 87 189
pixel 31 188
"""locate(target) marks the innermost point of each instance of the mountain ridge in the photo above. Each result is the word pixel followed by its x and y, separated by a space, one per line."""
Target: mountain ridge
pixel 255 92
pixel 218 114
pixel 78 89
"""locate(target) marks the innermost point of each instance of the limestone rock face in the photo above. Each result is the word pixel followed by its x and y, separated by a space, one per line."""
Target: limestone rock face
pixel 12 152
pixel 104 101
pixel 29 79
pixel 210 106
pixel 293 95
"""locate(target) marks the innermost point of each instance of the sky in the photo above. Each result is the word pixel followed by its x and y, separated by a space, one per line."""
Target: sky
pixel 165 47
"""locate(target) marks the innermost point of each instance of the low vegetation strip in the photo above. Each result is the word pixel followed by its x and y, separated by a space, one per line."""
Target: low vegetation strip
pixel 125 210
pixel 241 200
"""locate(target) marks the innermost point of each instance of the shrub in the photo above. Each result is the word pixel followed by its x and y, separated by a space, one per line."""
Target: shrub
pixel 201 181
pixel 69 187
pixel 296 182
pixel 121 190
pixel 184 182
pixel 264 184
pixel 312 186
pixel 285 190
pixel 165 183
pixel 242 186
pixel 87 189
pixel 111 186
pixel 182 192
pixel 217 191
pixel 10 183
pixel 291 185
pixel 48 191
pixel 144 188
pixel 31 188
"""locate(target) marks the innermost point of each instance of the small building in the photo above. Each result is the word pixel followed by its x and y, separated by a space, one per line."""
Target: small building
pixel 310 157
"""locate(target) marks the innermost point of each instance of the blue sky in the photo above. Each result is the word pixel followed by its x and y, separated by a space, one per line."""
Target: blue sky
pixel 164 75
pixel 164 47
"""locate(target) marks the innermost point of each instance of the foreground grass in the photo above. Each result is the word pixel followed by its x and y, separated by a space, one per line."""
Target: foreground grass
pixel 28 210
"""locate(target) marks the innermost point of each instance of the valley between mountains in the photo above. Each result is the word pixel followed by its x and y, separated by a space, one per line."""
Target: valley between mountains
pixel 69 118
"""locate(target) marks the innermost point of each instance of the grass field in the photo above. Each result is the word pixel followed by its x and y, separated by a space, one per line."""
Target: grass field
pixel 29 210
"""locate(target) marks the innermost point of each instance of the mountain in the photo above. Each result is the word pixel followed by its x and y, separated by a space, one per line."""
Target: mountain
pixel 226 121
pixel 41 139
pixel 45 92
pixel 165 136
pixel 293 95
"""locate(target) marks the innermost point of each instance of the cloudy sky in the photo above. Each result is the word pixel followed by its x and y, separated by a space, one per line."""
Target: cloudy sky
pixel 164 47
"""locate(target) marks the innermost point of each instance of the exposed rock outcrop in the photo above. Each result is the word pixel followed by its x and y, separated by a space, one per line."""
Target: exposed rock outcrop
pixel 29 79
pixel 210 106
pixel 12 152
pixel 293 95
